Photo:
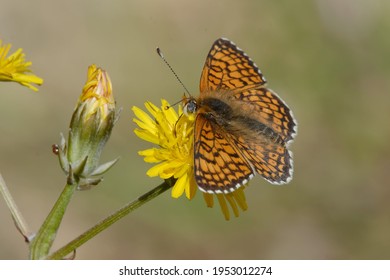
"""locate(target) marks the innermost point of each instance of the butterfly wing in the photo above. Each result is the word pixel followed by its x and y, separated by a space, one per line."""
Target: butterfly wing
pixel 269 109
pixel 228 67
pixel 272 160
pixel 219 164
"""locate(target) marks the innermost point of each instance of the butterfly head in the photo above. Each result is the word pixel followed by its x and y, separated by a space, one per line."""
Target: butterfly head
pixel 190 106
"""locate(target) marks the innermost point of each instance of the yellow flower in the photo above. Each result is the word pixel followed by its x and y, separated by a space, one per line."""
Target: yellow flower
pixel 13 68
pixel 173 133
pixel 174 136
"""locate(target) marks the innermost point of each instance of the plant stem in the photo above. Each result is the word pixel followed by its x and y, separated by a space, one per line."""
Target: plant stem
pixel 41 244
pixel 20 222
pixel 102 225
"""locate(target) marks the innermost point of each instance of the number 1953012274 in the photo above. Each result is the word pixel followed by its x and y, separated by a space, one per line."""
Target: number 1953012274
pixel 238 270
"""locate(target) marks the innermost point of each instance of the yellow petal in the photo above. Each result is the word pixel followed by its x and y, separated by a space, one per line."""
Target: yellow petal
pixel 223 205
pixel 14 68
pixel 145 125
pixel 230 198
pixel 209 199
pixel 179 187
pixel 191 189
pixel 145 118
pixel 169 112
pixel 182 169
pixel 240 198
pixel 150 155
pixel 155 170
pixel 153 109
pixel 146 135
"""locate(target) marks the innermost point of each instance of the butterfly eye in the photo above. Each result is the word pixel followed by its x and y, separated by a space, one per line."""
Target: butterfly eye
pixel 190 107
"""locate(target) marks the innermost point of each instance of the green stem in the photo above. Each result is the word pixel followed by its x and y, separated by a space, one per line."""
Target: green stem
pixel 41 244
pixel 102 225
pixel 20 222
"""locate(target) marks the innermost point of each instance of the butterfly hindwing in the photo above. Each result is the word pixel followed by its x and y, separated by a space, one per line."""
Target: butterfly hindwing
pixel 268 108
pixel 270 159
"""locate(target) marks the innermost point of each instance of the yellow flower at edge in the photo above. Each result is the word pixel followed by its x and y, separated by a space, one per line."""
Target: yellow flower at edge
pixel 173 133
pixel 14 68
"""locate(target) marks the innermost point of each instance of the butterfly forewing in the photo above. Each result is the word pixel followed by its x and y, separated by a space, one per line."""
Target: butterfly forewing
pixel 228 67
pixel 219 165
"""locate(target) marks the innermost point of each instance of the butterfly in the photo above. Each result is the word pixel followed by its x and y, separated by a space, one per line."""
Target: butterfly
pixel 241 126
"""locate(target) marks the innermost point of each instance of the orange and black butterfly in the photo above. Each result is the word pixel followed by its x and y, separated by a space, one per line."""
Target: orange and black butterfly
pixel 241 127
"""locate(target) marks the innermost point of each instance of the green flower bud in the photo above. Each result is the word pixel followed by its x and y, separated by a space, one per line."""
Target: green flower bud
pixel 90 128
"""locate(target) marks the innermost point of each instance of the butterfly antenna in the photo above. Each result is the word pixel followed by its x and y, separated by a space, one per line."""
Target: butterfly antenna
pixel 173 71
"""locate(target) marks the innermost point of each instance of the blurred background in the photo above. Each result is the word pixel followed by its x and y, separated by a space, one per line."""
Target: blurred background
pixel 328 59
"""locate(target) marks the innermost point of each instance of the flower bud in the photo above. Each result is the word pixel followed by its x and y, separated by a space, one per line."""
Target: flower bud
pixel 90 128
